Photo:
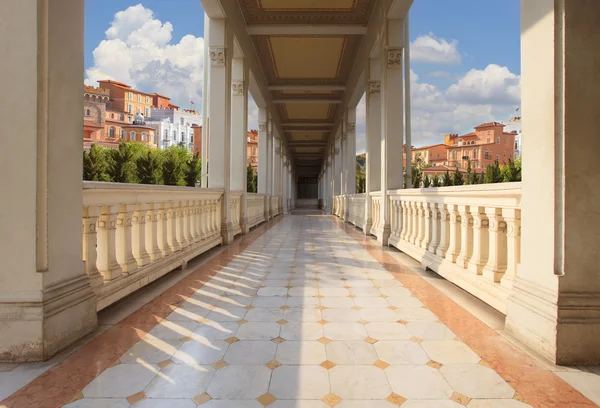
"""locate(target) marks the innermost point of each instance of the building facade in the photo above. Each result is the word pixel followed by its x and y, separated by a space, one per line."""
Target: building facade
pixel 514 126
pixel 175 127
pixel 126 99
pixel 253 149
pixel 94 112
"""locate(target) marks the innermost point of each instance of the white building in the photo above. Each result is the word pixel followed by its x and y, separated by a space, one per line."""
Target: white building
pixel 174 127
pixel 514 126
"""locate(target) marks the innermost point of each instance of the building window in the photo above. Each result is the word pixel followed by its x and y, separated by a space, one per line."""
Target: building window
pixel 174 136
pixel 144 136
pixel 166 134
pixel 498 157
pixel 510 155
pixel 516 145
pixel 111 132
pixel 147 99
pixel 112 115
pixel 121 117
pixel 181 121
pixel 129 108
pixel 454 155
pixel 488 139
pixel 191 138
pixel 139 98
pixel 146 112
pixel 460 142
pixel 132 136
pixel 130 96
pixel 475 152
pixel 183 137
pixel 88 112
pixel 504 154
pixel 486 155
pixel 498 140
pixel 122 134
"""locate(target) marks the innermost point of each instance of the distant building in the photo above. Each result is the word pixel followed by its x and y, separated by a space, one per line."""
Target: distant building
pixel 125 99
pixel 197 139
pixel 175 127
pixel 94 111
pixel 162 102
pixel 253 149
pixel 514 126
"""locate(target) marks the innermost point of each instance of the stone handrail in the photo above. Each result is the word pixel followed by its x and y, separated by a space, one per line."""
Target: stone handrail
pixel 356 209
pixel 470 235
pixel 133 234
pixel 275 205
pixel 375 210
pixel 255 208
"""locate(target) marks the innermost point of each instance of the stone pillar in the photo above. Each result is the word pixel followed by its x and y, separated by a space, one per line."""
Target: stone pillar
pixel 350 180
pixel 239 135
pixel 277 147
pixel 328 186
pixel 46 299
pixel 554 305
pixel 337 164
pixel 219 100
pixel 205 111
pixel 373 142
pixel 392 120
pixel 262 175
pixel 269 193
pixel 286 186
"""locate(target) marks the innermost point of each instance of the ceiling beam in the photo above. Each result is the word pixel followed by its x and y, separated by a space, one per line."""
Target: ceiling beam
pixel 307 130
pixel 316 100
pixel 307 124
pixel 307 88
pixel 292 29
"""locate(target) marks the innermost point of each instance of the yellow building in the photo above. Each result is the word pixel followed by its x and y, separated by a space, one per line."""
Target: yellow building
pixel 126 99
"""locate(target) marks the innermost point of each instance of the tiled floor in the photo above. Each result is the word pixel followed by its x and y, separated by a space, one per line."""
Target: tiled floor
pixel 304 317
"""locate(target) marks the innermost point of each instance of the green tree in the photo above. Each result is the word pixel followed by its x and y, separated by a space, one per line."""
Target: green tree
pixel 511 171
pixel 446 179
pixel 193 170
pixel 122 165
pixel 149 168
pixel 417 177
pixel 173 168
pixel 493 173
pixel 250 179
pixel 360 174
pixel 435 181
pixel 470 179
pixel 426 181
pixel 457 178
pixel 95 165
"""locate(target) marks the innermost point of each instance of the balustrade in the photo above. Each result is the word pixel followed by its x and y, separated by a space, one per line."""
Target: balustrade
pixel 356 209
pixel 375 210
pixel 134 234
pixel 255 204
pixel 468 234
pixel 235 208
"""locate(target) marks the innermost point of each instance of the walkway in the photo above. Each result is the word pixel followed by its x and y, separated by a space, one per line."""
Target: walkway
pixel 307 315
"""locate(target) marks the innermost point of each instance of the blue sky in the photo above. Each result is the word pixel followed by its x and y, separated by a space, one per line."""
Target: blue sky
pixel 465 56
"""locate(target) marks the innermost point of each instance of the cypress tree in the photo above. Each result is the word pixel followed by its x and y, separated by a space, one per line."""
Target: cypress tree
pixel 457 178
pixel 149 168
pixel 493 173
pixel 122 166
pixel 173 168
pixel 193 170
pixel 446 180
pixel 250 179
pixel 470 175
pixel 94 164
pixel 435 181
pixel 426 181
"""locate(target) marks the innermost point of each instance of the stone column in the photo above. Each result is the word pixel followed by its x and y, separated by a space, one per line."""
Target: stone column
pixel 373 145
pixel 46 299
pixel 269 193
pixel 337 164
pixel 276 168
pixel 286 185
pixel 350 180
pixel 239 135
pixel 262 175
pixel 219 99
pixel 205 105
pixel 554 305
pixel 392 120
pixel 328 200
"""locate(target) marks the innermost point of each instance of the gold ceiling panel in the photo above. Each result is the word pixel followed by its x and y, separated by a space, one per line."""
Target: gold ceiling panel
pixel 306 57
pixel 307 149
pixel 306 5
pixel 306 136
pixel 306 11
pixel 307 110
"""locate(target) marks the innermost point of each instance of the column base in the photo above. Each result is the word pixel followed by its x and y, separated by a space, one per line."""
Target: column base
pixel 244 226
pixel 366 227
pixel 35 331
pixel 563 328
pixel 227 233
pixel 383 235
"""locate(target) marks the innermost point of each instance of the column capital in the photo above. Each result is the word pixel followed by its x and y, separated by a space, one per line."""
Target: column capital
pixel 351 127
pixel 217 56
pixel 394 57
pixel 374 87
pixel 262 127
pixel 237 87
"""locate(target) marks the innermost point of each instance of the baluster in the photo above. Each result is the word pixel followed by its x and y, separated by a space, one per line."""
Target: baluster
pixel 496 264
pixel 414 214
pixel 163 226
pixel 189 222
pixel 512 217
pixel 480 241
pixel 196 221
pixel 435 228
pixel 398 218
pixel 218 217
pixel 454 235
pixel 444 231
pixel 183 225
pixel 172 227
pixel 420 224
pixel 153 220
pixel 139 235
pixel 426 237
pixel 466 236
pixel 107 263
pixel 90 255
pixel 405 224
pixel 124 239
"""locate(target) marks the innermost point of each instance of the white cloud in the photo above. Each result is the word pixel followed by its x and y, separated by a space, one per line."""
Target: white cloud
pixel 252 113
pixel 491 94
pixel 438 74
pixel 434 50
pixel 361 126
pixel 138 51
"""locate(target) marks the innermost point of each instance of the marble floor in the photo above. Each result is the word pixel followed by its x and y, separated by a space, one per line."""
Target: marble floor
pixel 304 315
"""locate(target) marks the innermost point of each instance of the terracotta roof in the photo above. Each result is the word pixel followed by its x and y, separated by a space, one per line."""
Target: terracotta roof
pixel 490 124
pixel 124 86
pixel 427 147
pixel 93 124
pixel 162 96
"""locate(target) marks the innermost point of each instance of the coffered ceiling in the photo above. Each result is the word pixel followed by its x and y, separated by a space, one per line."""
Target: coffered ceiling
pixel 307 49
